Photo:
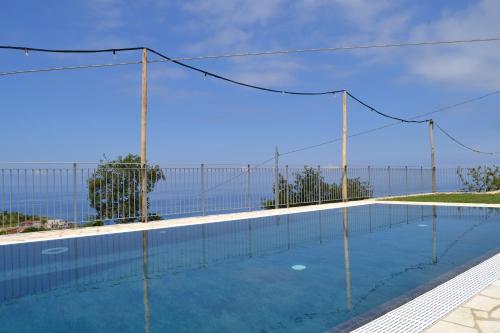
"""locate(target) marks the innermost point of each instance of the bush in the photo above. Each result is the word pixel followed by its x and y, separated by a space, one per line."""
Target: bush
pixel 480 179
pixel 305 191
pixel 116 184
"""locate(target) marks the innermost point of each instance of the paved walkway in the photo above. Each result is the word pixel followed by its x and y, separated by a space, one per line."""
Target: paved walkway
pixel 480 314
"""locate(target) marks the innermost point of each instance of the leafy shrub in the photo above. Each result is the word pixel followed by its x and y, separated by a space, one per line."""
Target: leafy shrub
pixel 480 179
pixel 304 190
pixel 114 188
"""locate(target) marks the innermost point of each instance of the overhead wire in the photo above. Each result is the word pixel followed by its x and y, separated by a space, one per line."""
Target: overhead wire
pixel 441 109
pixel 371 108
pixel 273 52
pixel 342 48
pixel 462 144
pixel 239 175
pixel 211 74
pixel 217 76
pixel 62 68
pixel 180 63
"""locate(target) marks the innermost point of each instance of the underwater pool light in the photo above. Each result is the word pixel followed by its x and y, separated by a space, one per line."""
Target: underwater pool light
pixel 298 267
pixel 55 250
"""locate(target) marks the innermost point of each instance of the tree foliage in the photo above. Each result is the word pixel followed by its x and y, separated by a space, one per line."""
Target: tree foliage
pixel 480 179
pixel 307 185
pixel 114 189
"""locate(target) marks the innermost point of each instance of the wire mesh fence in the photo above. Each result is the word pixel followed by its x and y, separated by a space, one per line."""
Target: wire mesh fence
pixel 41 197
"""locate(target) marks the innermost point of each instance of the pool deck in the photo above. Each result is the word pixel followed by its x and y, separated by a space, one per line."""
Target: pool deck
pixel 171 223
pixel 178 222
pixel 469 302
pixel 480 314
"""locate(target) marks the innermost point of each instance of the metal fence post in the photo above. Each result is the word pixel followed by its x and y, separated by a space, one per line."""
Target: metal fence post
pixel 276 179
pixel 389 178
pixel 370 182
pixel 75 197
pixel 202 171
pixel 406 179
pixel 319 185
pixel 422 178
pixel 286 190
pixel 248 189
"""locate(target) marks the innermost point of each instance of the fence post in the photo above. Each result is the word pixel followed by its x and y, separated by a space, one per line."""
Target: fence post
pixel 75 197
pixel 406 179
pixel 370 182
pixel 389 178
pixel 422 178
pixel 202 170
pixel 319 185
pixel 276 179
pixel 286 190
pixel 248 189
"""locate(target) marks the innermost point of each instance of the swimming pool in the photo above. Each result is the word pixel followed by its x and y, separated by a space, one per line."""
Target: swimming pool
pixel 313 272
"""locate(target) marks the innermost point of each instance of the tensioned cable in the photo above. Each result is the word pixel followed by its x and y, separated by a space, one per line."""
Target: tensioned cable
pixel 338 139
pixel 371 108
pixel 207 73
pixel 475 99
pixel 441 109
pixel 232 55
pixel 239 175
pixel 239 82
pixel 463 145
pixel 342 48
pixel 274 52
pixel 197 69
pixel 63 68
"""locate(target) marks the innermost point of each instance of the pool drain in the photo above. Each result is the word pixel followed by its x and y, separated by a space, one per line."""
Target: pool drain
pixel 55 250
pixel 298 267
pixel 422 225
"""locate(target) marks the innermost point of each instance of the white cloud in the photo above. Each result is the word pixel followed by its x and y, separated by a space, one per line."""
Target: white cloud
pixel 225 38
pixel 471 65
pixel 159 72
pixel 220 26
pixel 107 14
pixel 229 13
pixel 269 72
pixel 465 65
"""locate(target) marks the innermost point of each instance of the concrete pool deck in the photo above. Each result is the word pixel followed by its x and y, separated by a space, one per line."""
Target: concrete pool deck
pixel 175 222
pixel 480 314
pixel 451 305
pixel 186 221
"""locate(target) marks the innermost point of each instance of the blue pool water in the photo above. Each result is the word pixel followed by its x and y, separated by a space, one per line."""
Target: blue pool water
pixel 308 272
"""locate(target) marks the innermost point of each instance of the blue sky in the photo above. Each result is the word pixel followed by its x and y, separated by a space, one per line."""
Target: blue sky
pixel 81 115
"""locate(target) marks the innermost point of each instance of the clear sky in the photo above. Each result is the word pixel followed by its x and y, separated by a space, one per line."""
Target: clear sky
pixel 81 115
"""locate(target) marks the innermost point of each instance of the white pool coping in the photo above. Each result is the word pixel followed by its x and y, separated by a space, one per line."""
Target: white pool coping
pixel 449 204
pixel 425 310
pixel 186 221
pixel 176 222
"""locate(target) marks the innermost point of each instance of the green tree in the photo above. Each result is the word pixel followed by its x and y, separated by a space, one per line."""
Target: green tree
pixel 305 190
pixel 114 189
pixel 480 179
